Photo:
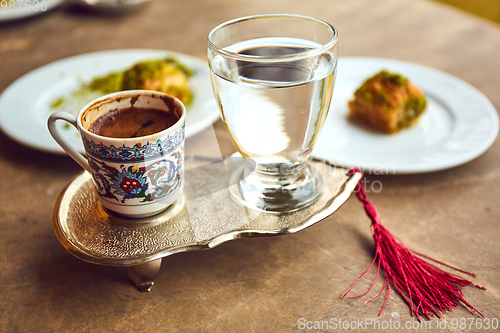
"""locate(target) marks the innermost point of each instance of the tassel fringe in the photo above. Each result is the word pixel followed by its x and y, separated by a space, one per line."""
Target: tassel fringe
pixel 428 290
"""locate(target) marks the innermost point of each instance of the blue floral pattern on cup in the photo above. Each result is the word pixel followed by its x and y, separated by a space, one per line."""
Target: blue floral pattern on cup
pixel 135 153
pixel 147 183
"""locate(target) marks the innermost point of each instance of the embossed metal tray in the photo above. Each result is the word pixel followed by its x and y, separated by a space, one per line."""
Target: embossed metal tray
pixel 203 218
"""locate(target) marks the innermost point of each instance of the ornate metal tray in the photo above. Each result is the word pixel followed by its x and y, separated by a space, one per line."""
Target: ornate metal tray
pixel 203 218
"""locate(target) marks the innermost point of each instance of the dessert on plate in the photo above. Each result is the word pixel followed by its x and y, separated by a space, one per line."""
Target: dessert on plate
pixel 164 75
pixel 388 102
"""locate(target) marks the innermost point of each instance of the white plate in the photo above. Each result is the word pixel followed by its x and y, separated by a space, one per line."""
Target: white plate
pixel 460 123
pixel 17 9
pixel 25 104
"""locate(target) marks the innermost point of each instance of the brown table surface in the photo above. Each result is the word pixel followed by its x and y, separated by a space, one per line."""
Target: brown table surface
pixel 263 284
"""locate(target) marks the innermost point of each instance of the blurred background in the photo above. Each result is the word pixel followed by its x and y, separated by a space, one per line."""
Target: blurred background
pixel 489 9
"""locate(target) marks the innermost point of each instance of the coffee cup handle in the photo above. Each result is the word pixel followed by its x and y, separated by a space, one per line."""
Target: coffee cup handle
pixel 72 152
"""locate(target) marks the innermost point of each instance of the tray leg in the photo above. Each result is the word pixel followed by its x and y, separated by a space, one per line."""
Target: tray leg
pixel 144 275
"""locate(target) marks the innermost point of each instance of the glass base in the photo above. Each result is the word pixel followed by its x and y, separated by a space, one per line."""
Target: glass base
pixel 280 192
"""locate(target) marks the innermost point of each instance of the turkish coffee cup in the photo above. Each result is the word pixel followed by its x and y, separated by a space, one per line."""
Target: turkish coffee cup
pixel 134 146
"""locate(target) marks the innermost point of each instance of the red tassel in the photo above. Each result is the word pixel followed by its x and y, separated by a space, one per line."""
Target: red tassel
pixel 427 289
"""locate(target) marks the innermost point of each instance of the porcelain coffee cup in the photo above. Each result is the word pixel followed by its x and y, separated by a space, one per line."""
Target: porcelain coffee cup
pixel 134 177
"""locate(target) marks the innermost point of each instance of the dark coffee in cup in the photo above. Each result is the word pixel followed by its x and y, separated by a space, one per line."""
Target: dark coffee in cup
pixel 133 122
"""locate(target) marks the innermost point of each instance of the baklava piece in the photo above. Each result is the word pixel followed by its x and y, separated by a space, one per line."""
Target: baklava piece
pixel 388 102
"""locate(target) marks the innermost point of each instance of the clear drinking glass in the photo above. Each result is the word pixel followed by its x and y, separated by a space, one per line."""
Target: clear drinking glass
pixel 273 78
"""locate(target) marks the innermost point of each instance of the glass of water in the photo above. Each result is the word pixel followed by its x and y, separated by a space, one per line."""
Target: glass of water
pixel 273 78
